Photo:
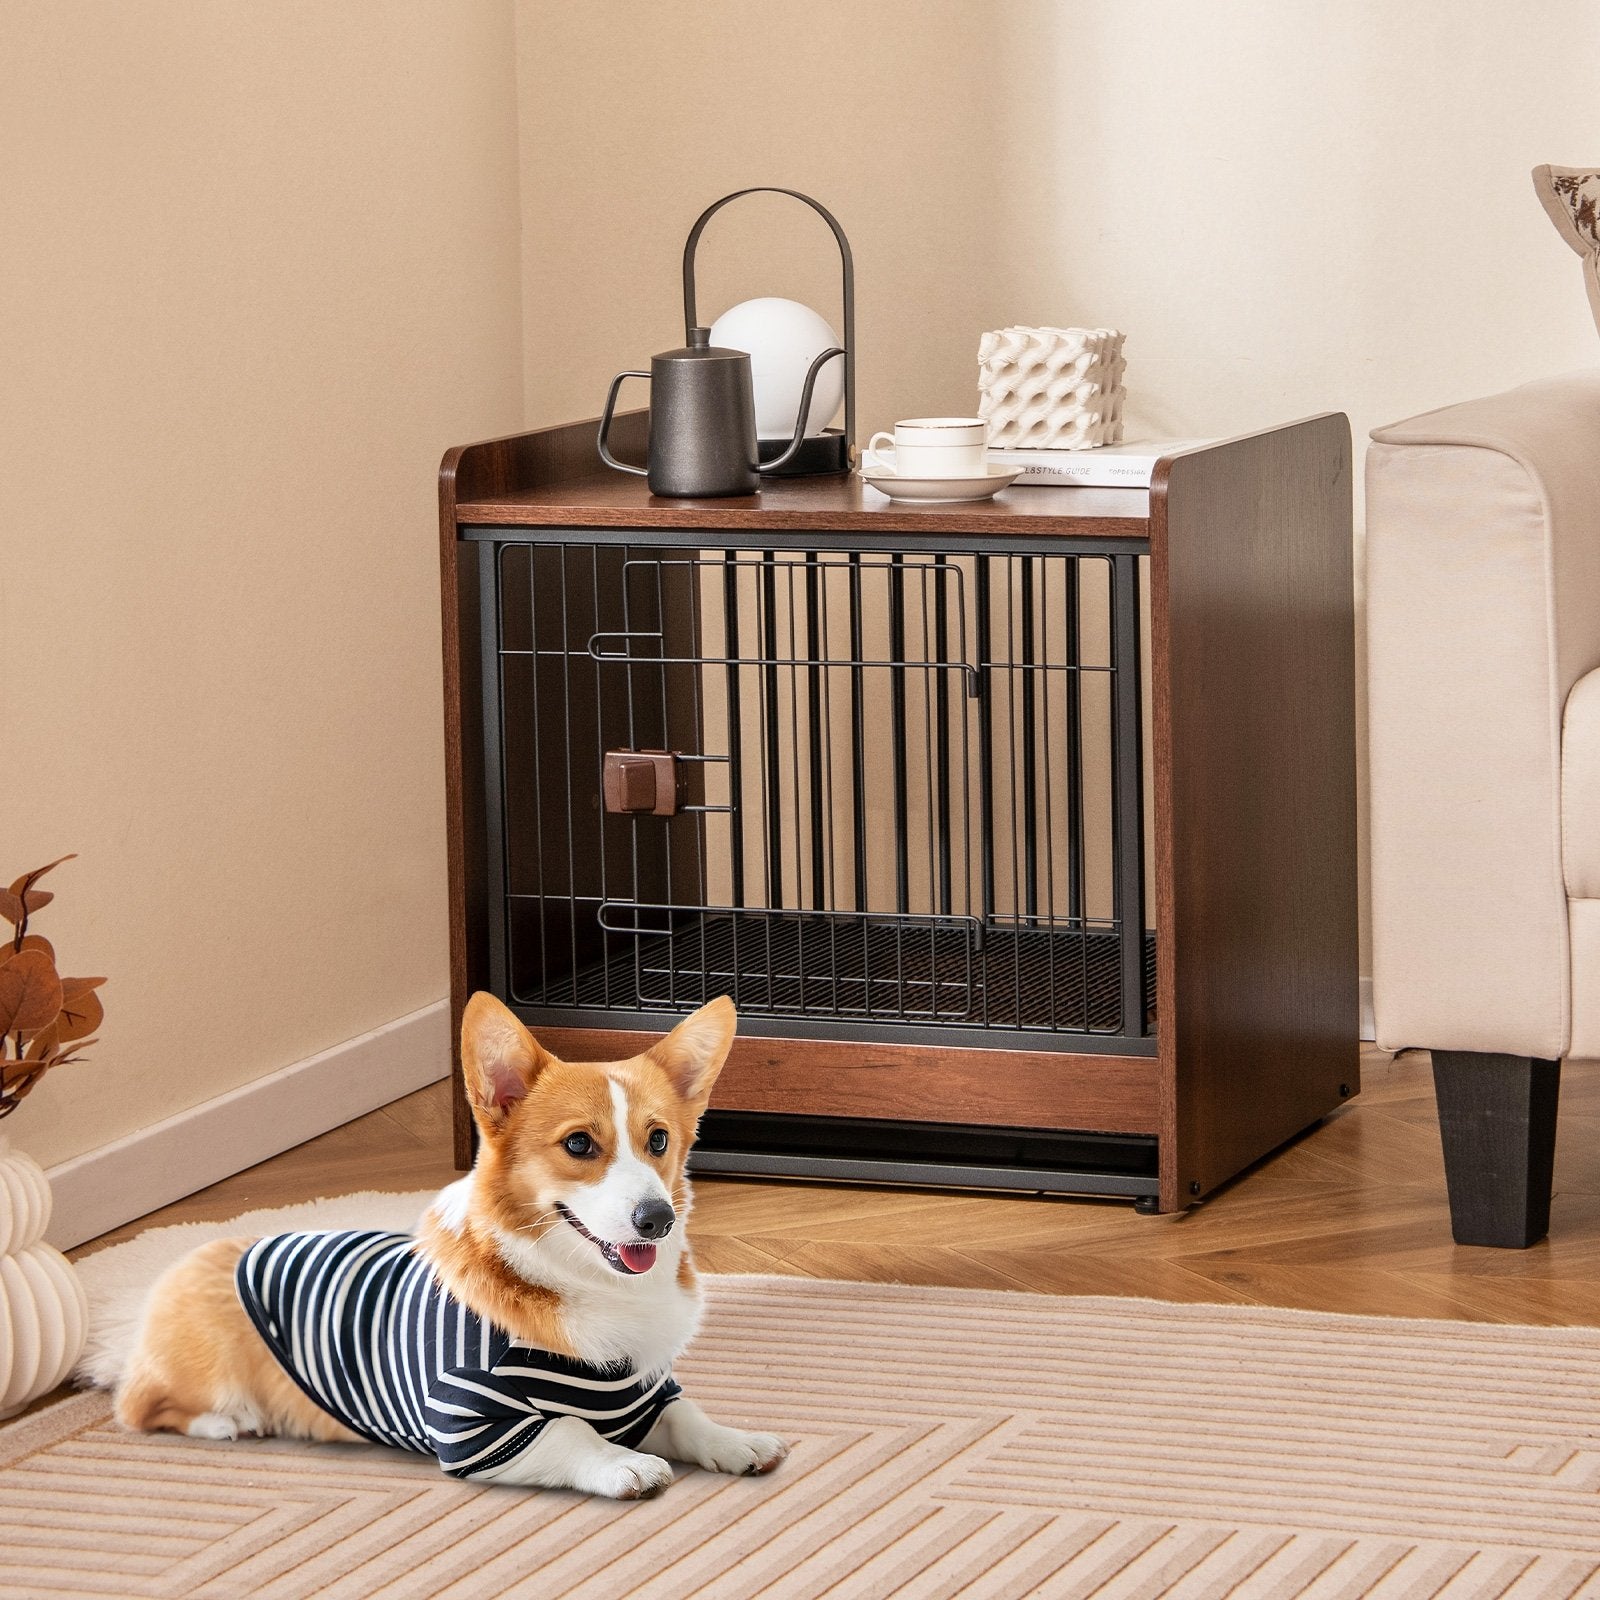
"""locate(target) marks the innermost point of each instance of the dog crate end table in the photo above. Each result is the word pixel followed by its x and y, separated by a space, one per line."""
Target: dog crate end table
pixel 1021 832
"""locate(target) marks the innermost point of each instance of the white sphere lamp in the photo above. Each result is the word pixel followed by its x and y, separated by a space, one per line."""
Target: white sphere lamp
pixel 783 338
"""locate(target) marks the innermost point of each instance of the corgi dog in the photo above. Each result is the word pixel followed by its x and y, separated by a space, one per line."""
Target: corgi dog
pixel 525 1334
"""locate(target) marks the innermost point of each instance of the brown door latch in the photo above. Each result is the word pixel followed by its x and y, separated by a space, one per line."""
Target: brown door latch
pixel 652 782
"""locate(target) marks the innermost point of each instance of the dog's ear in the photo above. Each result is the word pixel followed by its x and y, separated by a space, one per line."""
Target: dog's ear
pixel 499 1060
pixel 693 1053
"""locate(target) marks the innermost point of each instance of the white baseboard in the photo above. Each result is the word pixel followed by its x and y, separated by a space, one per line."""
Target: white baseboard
pixel 104 1188
pixel 1369 1023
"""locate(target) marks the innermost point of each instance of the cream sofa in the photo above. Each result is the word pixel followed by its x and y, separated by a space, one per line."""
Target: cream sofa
pixel 1483 608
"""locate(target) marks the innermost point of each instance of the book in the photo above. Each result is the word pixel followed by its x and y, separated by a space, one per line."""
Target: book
pixel 1109 466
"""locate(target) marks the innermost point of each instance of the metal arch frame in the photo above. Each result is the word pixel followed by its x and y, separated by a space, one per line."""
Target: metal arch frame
pixel 847 263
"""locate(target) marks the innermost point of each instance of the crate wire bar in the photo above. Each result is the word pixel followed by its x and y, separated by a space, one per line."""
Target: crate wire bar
pixel 915 804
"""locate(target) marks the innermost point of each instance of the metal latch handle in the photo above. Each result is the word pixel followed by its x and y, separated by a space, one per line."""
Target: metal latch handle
pixel 644 782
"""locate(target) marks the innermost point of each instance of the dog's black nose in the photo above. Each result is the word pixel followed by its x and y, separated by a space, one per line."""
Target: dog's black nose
pixel 653 1219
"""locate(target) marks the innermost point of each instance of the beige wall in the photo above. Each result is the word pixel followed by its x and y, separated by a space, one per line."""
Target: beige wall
pixel 1289 208
pixel 260 268
pixel 635 117
pixel 1301 207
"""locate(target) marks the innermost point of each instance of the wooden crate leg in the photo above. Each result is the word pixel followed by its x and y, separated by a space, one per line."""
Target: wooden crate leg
pixel 1497 1119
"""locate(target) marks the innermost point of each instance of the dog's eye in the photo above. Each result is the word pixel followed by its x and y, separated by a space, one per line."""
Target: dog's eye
pixel 658 1141
pixel 578 1144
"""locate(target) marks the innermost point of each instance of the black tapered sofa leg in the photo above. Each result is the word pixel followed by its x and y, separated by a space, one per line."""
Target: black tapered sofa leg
pixel 1497 1118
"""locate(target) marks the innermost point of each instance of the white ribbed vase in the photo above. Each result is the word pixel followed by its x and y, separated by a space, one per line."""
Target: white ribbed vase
pixel 43 1313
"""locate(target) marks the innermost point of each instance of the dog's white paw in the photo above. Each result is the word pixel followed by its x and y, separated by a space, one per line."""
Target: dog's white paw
pixel 631 1476
pixel 733 1450
pixel 213 1425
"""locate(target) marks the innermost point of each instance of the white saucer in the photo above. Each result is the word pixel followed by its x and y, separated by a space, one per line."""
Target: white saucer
pixel 989 482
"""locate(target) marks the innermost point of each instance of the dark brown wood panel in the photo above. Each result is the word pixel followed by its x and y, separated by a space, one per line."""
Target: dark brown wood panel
pixel 830 1078
pixel 499 470
pixel 1253 639
pixel 463 776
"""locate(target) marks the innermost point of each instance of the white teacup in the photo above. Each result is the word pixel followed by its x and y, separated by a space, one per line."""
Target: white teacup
pixel 931 447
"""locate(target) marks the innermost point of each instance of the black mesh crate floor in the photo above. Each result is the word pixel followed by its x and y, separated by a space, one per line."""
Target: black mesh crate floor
pixel 790 964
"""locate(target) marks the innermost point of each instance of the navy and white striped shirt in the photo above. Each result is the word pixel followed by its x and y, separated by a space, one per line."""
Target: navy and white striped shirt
pixel 363 1327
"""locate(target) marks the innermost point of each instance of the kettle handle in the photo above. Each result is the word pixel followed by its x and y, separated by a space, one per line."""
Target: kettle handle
pixel 605 424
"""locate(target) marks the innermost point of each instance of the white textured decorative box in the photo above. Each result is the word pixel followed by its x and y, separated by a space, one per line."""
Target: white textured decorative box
pixel 1051 388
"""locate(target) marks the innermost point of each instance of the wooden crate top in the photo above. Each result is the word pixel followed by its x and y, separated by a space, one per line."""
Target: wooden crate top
pixel 831 503
pixel 552 479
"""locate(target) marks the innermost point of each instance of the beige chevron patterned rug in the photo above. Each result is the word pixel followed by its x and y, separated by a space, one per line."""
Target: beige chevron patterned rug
pixel 947 1442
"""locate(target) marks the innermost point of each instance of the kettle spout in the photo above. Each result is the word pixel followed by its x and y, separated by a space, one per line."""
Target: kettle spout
pixel 805 410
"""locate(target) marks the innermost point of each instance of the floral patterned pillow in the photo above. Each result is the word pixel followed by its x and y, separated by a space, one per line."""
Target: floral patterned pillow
pixel 1572 197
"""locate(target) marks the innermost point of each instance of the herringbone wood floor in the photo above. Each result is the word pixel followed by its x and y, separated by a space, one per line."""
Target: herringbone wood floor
pixel 1351 1217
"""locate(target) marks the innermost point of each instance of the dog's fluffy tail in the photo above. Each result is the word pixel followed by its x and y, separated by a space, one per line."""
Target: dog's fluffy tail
pixel 118 1283
pixel 119 1278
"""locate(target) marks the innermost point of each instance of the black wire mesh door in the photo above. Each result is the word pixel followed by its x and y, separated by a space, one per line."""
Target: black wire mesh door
pixel 879 794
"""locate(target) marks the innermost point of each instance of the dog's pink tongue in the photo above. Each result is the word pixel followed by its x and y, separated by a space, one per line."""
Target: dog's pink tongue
pixel 637 1257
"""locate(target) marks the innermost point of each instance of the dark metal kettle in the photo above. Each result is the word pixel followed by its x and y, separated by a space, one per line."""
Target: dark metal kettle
pixel 703 421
